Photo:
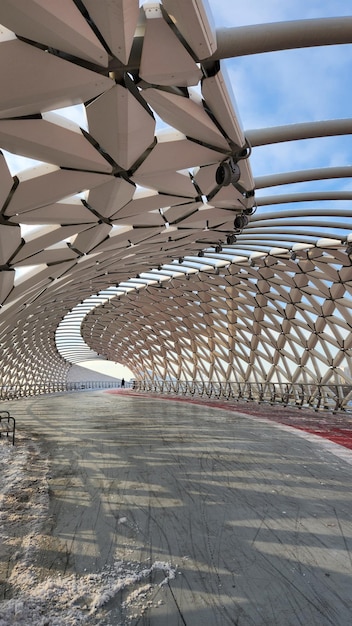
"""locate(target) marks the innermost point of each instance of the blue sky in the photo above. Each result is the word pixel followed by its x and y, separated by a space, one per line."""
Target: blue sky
pixel 228 12
pixel 281 88
pixel 291 86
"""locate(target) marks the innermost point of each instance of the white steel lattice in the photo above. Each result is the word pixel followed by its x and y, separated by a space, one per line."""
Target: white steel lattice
pixel 156 178
pixel 281 320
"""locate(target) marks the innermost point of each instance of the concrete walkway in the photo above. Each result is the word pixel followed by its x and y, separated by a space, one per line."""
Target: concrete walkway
pixel 235 521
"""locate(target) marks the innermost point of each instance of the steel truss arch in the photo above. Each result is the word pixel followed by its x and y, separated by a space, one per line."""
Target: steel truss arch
pixel 120 240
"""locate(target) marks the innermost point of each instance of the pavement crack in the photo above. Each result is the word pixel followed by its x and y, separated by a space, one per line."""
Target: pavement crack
pixel 176 604
pixel 343 536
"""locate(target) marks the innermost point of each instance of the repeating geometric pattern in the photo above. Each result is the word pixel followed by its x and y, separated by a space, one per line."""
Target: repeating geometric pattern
pixel 279 320
pixel 138 190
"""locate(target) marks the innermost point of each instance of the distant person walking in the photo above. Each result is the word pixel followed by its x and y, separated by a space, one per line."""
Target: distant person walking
pixel 123 382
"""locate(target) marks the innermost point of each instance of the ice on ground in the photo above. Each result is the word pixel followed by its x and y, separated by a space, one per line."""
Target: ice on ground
pixel 59 600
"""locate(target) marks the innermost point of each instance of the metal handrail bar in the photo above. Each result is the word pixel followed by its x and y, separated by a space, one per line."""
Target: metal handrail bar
pixel 328 397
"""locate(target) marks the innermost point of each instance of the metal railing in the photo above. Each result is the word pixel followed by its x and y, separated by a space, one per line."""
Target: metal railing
pixel 331 397
pixel 319 397
pixel 23 391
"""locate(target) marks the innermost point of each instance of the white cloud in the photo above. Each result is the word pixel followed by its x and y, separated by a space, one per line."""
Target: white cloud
pixel 227 12
pixel 292 86
pixel 301 155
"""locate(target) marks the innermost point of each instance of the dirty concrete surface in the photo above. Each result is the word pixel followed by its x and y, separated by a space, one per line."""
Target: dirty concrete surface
pixel 254 521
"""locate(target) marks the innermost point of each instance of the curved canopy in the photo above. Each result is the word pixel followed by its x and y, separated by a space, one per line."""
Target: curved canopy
pixel 151 159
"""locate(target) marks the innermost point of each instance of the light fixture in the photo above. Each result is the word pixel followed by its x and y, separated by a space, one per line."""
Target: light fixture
pixel 240 222
pixel 228 173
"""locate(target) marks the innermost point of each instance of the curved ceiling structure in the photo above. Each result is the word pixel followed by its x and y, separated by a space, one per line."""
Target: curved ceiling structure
pixel 213 233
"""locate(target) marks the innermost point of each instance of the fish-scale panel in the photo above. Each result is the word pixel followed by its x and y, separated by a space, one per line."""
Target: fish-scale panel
pixel 194 21
pixel 167 182
pixel 90 238
pixel 6 181
pixel 7 278
pixel 39 81
pixel 168 63
pixel 49 256
pixel 121 126
pixel 174 151
pixel 10 241
pixel 187 116
pixel 219 98
pixel 38 242
pixel 56 25
pixel 109 198
pixel 51 142
pixel 117 22
pixel 46 184
pixel 69 211
pixel 145 201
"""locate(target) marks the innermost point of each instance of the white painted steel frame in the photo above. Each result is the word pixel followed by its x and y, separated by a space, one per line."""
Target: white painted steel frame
pixel 131 212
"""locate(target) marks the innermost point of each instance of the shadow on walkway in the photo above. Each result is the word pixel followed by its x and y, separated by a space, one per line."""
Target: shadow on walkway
pixel 205 517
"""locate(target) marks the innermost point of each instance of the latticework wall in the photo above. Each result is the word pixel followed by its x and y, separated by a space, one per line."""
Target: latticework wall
pixel 30 362
pixel 281 320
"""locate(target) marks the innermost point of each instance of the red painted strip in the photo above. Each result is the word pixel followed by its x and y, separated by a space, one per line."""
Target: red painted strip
pixel 336 428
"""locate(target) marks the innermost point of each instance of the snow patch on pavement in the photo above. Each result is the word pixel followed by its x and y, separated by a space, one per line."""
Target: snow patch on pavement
pixel 58 600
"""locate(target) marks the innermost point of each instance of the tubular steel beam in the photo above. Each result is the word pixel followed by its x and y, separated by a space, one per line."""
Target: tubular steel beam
pixel 257 39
